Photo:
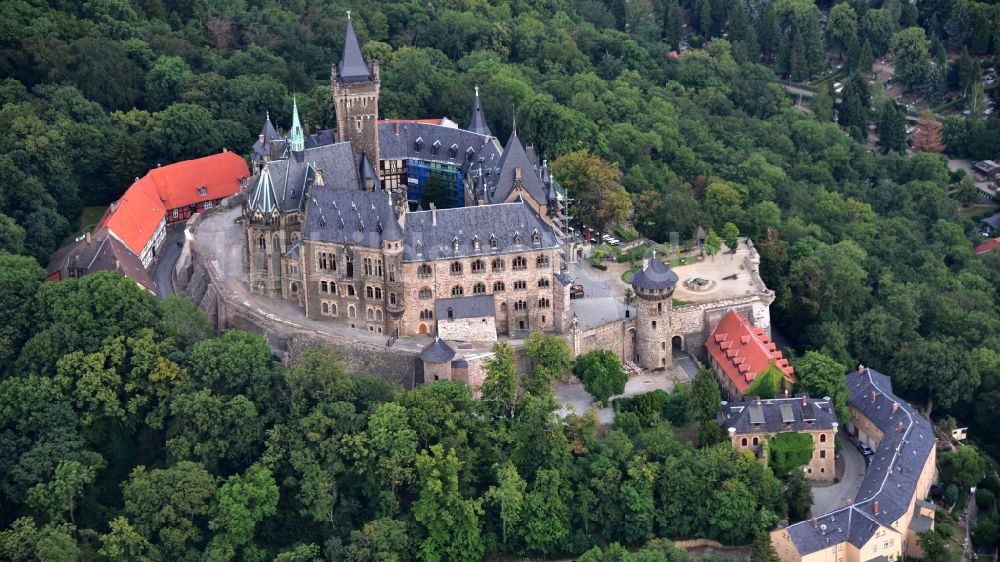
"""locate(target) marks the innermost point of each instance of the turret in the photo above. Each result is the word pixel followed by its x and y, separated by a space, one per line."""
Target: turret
pixel 478 122
pixel 298 141
pixel 355 87
pixel 654 287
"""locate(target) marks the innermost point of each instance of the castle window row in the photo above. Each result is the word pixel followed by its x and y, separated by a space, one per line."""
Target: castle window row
pixel 519 263
pixel 477 244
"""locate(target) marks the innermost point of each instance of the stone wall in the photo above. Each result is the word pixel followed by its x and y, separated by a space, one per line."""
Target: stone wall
pixel 481 329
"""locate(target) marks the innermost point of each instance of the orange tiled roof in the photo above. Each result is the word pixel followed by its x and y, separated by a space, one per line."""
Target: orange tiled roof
pixel 988 246
pixel 743 351
pixel 177 185
pixel 134 218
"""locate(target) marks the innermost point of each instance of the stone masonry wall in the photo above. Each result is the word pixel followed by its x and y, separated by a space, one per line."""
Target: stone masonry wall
pixel 481 329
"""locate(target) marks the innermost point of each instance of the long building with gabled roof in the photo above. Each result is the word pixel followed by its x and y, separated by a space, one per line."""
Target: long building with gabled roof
pixel 889 510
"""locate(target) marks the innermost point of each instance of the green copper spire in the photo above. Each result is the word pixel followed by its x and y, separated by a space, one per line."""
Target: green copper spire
pixel 298 135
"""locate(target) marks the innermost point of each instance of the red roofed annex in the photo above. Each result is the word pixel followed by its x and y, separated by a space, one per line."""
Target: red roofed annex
pixel 739 351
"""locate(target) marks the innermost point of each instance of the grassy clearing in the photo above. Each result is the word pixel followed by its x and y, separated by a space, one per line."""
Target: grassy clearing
pixel 86 223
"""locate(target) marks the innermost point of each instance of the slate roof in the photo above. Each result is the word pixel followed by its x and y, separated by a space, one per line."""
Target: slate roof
pixel 403 145
pixel 350 216
pixel 101 252
pixel 655 275
pixel 807 414
pixel 891 478
pixel 993 221
pixel 261 149
pixel 263 197
pixel 291 176
pixel 478 122
pixel 437 352
pixel 744 351
pixel 436 237
pixel 500 184
pixel 596 311
pixel 475 306
pixel 352 67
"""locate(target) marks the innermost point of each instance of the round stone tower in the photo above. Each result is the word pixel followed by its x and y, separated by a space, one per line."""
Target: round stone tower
pixel 436 358
pixel 654 287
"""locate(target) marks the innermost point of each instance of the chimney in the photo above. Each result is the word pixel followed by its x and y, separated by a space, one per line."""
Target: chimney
pixel 814 522
pixel 805 400
pixel 873 396
pixel 517 174
pixel 895 407
pixel 225 150
pixel 396 127
pixel 861 368
pixel 875 507
pixel 434 215
pixel 260 139
pixel 88 238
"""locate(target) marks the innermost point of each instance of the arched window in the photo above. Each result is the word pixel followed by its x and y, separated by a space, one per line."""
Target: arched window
pixel 425 293
pixel 822 438
pixel 494 243
pixel 542 261
pixel 519 263
pixel 476 245
pixel 543 302
pixel 520 305
pixel 518 239
pixel 457 291
pixel 324 287
pixel 333 309
pixel 743 442
pixel 520 285
pixel 478 266
pixel 451 312
pixel 262 242
pixel 326 308
pixel 378 293
pixel 536 238
pixel 378 315
pixel 369 292
pixel 503 307
pixel 424 270
pixel 498 287
pixel 498 264
pixel 392 298
pixel 456 268
pixel 351 311
pixel 478 289
pixel 426 314
pixel 370 314
pixel 543 282
pixel 756 441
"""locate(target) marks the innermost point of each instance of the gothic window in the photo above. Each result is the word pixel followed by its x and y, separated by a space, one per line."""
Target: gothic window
pixel 351 311
pixel 456 268
pixel 324 287
pixel 494 243
pixel 498 264
pixel 350 290
pixel 478 288
pixel 498 287
pixel 370 314
pixel 425 293
pixel 521 305
pixel 349 262
pixel 542 261
pixel 379 268
pixel 451 312
pixel 543 282
pixel 503 307
pixel 457 291
pixel 326 308
pixel 367 264
pixel 426 314
pixel 378 293
pixel 520 285
pixel 392 298
pixel 262 242
pixel 543 302
pixel 333 309
pixel 378 315
pixel 478 266
pixel 369 292
pixel 333 288
pixel 519 263
pixel 424 270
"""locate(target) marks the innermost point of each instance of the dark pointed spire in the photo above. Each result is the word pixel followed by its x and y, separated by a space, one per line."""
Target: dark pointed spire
pixel 478 123
pixel 352 67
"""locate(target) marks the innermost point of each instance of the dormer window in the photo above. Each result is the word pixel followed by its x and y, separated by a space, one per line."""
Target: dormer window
pixel 420 248
pixel 518 239
pixel 203 191
pixel 435 147
pixel 361 226
pixel 536 238
pixel 418 144
pixel 469 153
pixel 453 151
pixel 454 245
pixel 476 244
pixel 494 243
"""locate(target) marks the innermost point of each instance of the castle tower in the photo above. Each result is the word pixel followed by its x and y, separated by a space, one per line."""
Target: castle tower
pixel 392 250
pixel 654 288
pixel 263 244
pixel 355 87
pixel 478 122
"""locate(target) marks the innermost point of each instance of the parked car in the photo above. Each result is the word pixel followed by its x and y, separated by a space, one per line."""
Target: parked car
pixel 576 291
pixel 865 450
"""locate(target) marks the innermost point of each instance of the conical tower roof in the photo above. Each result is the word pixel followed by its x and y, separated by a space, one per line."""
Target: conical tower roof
pixel 263 197
pixel 478 123
pixel 655 275
pixel 437 352
pixel 298 143
pixel 352 67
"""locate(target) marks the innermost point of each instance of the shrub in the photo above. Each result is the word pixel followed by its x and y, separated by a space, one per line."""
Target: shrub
pixel 951 494
pixel 649 406
pixel 626 235
pixel 628 422
pixel 675 410
pixel 985 499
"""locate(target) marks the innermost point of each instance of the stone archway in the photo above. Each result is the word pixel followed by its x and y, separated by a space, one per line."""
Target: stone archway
pixel 422 330
pixel 677 343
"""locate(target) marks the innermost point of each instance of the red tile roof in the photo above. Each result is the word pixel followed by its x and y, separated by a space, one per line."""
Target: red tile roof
pixel 988 246
pixel 134 218
pixel 177 184
pixel 743 351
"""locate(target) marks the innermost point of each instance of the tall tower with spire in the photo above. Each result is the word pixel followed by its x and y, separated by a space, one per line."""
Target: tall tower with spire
pixel 478 122
pixel 298 141
pixel 355 86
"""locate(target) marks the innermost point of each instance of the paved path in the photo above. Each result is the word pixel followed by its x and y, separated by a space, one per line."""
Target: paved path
pixel 835 496
pixel 572 397
pixel 169 253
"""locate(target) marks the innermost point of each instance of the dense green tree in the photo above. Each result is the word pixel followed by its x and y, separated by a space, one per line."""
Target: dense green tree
pixel 798 492
pixel 730 235
pixel 877 27
pixel 241 503
pixel 819 376
pixel 704 399
pixel 600 201
pixel 448 523
pixel 761 550
pixel 601 373
pixel 891 126
pixel 935 547
pixel 964 467
pixel 673 20
pixel 438 191
pixel 551 360
pixel 712 243
pixel 842 29
pixel 822 104
pixel 19 278
pixel 912 52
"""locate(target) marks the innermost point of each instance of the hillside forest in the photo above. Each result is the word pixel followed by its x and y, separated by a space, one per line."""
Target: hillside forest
pixel 130 431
